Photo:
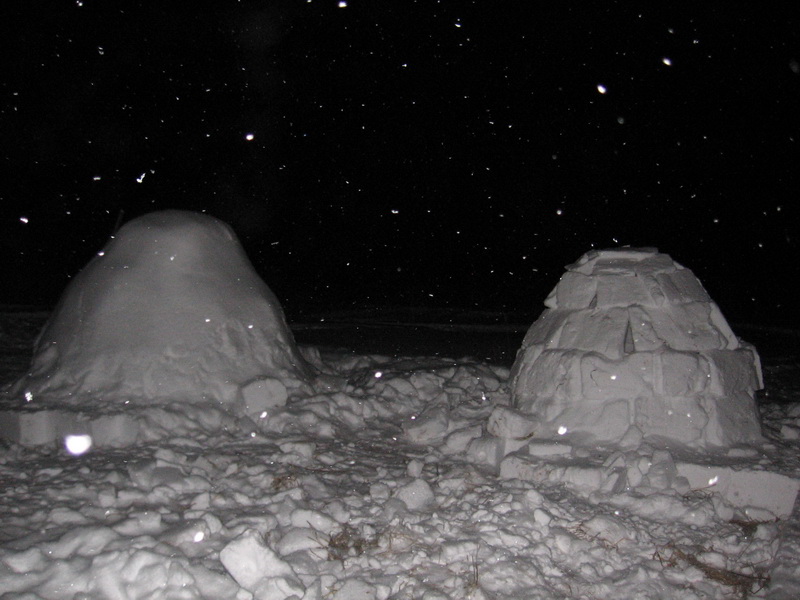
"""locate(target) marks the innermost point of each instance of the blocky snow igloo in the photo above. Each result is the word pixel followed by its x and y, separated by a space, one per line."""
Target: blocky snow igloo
pixel 170 310
pixel 631 346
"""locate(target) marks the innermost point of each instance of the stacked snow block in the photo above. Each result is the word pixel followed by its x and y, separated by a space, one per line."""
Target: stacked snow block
pixel 631 346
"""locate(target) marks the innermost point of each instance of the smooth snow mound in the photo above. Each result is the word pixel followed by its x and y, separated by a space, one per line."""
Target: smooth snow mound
pixel 631 346
pixel 170 310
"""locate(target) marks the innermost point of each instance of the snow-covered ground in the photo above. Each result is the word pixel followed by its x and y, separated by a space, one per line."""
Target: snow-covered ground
pixel 405 482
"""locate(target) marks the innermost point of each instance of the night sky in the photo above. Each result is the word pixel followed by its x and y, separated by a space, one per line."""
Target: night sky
pixel 426 153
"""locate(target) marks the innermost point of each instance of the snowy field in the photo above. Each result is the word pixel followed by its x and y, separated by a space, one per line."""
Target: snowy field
pixel 403 482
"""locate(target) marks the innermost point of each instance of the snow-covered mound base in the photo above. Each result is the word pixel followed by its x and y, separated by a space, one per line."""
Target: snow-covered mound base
pixel 106 424
pixel 416 480
pixel 631 347
pixel 170 312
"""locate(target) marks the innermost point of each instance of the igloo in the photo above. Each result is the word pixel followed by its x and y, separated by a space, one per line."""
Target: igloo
pixel 631 346
pixel 171 310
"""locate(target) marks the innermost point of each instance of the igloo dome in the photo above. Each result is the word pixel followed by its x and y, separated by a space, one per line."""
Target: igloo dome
pixel 170 310
pixel 631 346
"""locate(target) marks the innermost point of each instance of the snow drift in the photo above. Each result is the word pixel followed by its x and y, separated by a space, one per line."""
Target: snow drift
pixel 632 346
pixel 171 310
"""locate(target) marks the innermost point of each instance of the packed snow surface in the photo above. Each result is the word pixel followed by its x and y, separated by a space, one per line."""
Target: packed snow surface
pixel 632 347
pixel 415 480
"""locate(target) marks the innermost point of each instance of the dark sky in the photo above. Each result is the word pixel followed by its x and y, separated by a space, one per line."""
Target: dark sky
pixel 446 154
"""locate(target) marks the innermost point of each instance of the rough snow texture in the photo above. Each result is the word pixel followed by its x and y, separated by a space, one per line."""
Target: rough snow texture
pixel 330 500
pixel 170 310
pixel 414 481
pixel 632 346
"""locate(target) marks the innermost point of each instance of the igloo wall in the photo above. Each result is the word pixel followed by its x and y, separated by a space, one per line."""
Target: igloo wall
pixel 170 310
pixel 631 346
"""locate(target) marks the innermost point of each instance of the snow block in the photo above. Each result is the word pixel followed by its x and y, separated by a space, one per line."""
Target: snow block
pixel 299 539
pixel 681 286
pixel 543 449
pixel 687 327
pixel 621 290
pixel 430 426
pixel 46 427
pixel 745 488
pixel 576 476
pixel 574 291
pixel 491 450
pixel 257 568
pixel 356 589
pixel 734 371
pixel 506 422
pixel 593 330
pixel 279 588
pixel 457 441
pixel 630 341
pixel 171 310
pixel 546 331
pixel 486 450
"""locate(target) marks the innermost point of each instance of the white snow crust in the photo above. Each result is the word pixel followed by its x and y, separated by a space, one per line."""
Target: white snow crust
pixel 631 346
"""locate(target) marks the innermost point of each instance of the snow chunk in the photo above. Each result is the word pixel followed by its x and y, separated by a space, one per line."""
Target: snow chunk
pixel 608 530
pixel 486 450
pixel 457 441
pixel 431 425
pixel 417 494
pixel 303 517
pixel 575 475
pixel 506 422
pixel 263 396
pixel 542 449
pixel 300 538
pixel 259 569
pixel 455 551
pixel 356 589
